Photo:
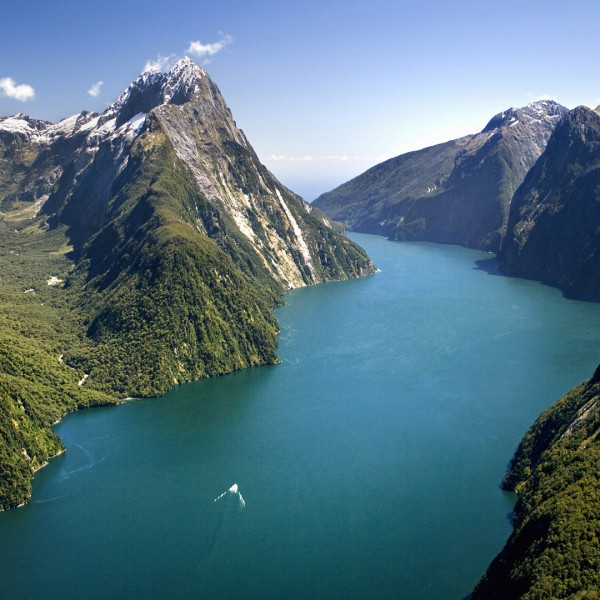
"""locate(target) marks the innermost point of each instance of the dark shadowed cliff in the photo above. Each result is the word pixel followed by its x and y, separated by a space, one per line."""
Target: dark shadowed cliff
pixel 553 232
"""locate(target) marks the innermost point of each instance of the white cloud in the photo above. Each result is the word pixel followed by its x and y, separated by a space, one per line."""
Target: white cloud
pixel 201 50
pixel 161 63
pixel 281 158
pixel 22 92
pixel 198 49
pixel 95 89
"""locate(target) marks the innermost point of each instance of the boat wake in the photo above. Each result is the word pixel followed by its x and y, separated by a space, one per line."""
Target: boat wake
pixel 233 490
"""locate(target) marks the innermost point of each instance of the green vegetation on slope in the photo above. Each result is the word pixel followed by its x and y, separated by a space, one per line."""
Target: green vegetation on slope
pixel 151 301
pixel 166 304
pixel 37 326
pixel 554 551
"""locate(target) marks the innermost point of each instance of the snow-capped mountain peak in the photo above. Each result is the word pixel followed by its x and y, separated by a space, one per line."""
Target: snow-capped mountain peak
pixel 182 80
pixel 154 88
pixel 538 111
pixel 186 68
pixel 185 81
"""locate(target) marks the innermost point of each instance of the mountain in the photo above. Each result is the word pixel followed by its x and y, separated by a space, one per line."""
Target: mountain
pixel 553 551
pixel 458 192
pixel 70 171
pixel 553 231
pixel 140 248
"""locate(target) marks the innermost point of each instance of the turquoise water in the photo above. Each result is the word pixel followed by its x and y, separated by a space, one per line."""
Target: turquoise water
pixel 367 463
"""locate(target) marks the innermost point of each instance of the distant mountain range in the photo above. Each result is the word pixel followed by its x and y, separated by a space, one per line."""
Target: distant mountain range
pixel 170 244
pixel 526 188
pixel 458 192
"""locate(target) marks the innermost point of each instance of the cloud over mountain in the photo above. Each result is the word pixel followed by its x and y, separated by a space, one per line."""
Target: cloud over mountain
pixel 22 92
pixel 201 50
pixel 95 89
pixel 161 63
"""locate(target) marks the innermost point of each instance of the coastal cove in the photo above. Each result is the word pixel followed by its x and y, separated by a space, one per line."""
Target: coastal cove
pixel 366 465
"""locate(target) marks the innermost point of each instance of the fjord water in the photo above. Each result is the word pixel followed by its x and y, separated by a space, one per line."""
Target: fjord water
pixel 366 465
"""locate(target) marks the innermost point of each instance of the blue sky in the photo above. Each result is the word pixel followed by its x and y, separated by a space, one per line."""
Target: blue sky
pixel 323 90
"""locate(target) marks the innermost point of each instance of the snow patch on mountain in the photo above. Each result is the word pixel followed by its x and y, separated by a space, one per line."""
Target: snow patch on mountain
pixel 105 129
pixel 186 106
pixel 17 124
pixel 91 124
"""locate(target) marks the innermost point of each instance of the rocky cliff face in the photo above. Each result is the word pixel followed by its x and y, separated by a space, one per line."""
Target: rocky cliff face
pixel 553 227
pixel 458 192
pixel 165 164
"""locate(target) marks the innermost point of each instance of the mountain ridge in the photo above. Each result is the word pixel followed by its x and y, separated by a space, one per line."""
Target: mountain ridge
pixel 455 192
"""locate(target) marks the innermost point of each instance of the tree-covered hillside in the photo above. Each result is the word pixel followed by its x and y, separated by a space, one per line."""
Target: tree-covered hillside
pixel 39 323
pixel 554 551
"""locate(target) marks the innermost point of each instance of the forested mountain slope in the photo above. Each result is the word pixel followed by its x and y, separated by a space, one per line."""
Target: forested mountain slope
pixel 554 550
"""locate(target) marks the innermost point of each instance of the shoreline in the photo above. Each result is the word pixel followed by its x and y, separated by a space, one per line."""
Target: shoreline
pixel 62 450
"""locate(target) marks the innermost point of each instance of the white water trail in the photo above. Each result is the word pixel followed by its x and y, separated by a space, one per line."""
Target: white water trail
pixel 233 490
pixel 219 497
